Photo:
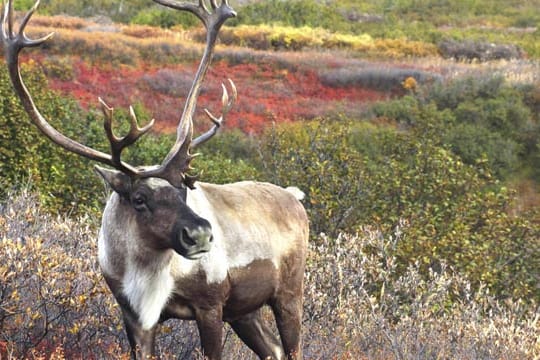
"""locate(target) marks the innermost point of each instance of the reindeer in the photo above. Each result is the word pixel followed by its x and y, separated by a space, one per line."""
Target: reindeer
pixel 174 247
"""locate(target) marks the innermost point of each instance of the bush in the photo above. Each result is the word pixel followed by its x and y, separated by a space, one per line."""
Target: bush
pixel 472 143
pixel 165 18
pixel 228 157
pixel 296 13
pixel 364 306
pixel 456 213
pixel 379 78
pixel 308 156
pixel 358 304
pixel 478 118
pixel 481 51
pixel 26 153
pixel 170 82
pixel 59 68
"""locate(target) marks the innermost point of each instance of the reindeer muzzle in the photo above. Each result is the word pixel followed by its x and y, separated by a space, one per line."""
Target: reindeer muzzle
pixel 193 242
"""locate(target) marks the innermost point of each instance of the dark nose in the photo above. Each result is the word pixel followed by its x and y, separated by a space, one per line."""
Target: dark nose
pixel 195 241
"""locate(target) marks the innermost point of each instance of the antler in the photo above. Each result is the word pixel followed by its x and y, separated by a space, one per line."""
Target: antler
pixel 227 106
pixel 14 42
pixel 176 163
pixel 119 144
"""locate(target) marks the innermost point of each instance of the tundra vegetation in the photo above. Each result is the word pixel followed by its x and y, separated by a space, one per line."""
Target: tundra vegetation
pixel 421 172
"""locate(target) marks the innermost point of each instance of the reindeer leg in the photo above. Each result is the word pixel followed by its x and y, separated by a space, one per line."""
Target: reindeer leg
pixel 252 330
pixel 141 341
pixel 210 324
pixel 288 313
pixel 287 306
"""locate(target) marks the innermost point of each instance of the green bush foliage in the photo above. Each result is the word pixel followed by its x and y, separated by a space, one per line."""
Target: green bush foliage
pixel 295 13
pixel 27 154
pixel 165 18
pixel 448 211
pixel 478 118
pixel 309 157
pixel 228 158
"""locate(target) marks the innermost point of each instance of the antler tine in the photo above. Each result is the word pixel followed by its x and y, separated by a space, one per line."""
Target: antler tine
pixel 200 11
pixel 7 20
pixel 118 144
pixel 203 6
pixel 19 40
pixel 227 104
pixel 213 3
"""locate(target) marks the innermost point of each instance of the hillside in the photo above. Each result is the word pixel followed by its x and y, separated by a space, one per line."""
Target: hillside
pixel 412 127
pixel 131 64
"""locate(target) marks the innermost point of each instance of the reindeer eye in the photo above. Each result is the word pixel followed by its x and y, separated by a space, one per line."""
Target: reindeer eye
pixel 139 202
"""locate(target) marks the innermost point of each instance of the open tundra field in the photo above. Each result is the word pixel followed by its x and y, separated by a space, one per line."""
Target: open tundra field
pixel 412 127
pixel 134 64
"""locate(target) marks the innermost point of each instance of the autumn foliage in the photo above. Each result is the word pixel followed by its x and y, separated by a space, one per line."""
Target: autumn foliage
pixel 420 246
pixel 266 94
pixel 357 303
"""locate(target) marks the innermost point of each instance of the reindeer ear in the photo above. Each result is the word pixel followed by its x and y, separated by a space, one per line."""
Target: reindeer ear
pixel 117 180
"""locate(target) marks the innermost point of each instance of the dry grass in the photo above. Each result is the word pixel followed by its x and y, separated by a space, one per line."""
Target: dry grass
pixel 377 315
pixel 54 304
pixel 113 44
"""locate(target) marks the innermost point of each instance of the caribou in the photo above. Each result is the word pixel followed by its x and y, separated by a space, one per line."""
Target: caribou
pixel 171 246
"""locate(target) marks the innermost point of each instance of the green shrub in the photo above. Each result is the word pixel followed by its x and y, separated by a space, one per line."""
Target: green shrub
pixel 472 142
pixel 165 18
pixel 475 117
pixel 449 211
pixel 26 153
pixel 454 213
pixel 59 68
pixel 296 13
pixel 308 156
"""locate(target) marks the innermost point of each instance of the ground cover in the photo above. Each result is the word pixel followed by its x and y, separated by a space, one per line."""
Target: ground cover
pixel 266 94
pixel 152 67
pixel 357 304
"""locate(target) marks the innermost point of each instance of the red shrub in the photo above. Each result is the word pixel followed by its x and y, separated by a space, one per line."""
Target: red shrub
pixel 266 93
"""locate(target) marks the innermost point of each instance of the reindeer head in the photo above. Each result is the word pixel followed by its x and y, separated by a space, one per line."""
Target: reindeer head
pixel 155 196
